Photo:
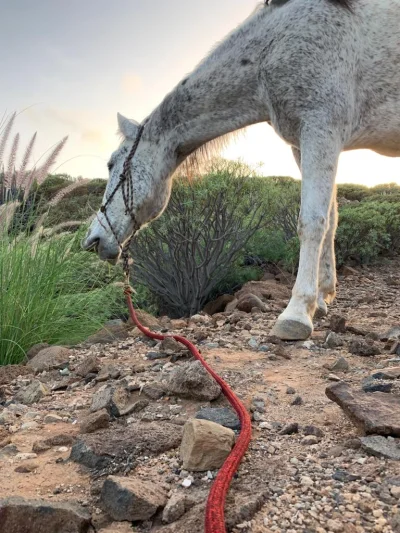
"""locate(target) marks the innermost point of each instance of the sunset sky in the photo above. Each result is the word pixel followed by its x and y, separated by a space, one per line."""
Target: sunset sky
pixel 72 65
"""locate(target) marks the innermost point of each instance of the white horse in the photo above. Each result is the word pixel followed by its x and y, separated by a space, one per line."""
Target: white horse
pixel 324 73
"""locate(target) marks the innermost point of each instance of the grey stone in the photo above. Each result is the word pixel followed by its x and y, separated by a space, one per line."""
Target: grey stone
pixel 313 430
pixel 221 415
pixel 387 373
pixel 338 324
pixel 297 401
pixel 174 509
pixel 34 392
pixel 89 366
pixel 333 340
pixel 377 413
pixel 113 399
pixel 112 446
pixel 153 391
pixel 95 421
pixel 290 429
pixel 371 386
pixel 191 380
pixel 341 365
pixel 382 447
pixel 364 348
pixel 131 499
pixel 18 515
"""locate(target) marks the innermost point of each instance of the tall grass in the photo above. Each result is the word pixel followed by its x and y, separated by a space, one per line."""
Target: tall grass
pixel 50 291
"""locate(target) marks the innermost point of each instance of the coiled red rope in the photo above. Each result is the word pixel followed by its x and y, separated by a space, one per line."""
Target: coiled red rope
pixel 214 519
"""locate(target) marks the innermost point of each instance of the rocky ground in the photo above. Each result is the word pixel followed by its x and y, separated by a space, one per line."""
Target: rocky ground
pixel 90 437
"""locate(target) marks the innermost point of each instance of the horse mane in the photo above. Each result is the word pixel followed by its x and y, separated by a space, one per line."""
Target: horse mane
pixel 197 160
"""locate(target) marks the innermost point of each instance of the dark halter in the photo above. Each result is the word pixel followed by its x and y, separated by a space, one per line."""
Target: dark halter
pixel 126 186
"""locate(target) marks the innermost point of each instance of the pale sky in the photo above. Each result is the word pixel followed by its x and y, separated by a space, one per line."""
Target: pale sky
pixel 78 62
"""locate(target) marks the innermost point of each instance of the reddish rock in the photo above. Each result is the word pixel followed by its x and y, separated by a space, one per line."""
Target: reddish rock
pixel 374 414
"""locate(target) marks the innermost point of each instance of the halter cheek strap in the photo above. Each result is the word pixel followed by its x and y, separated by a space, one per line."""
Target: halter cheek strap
pixel 126 186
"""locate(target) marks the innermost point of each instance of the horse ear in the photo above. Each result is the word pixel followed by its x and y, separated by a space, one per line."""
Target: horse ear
pixel 128 128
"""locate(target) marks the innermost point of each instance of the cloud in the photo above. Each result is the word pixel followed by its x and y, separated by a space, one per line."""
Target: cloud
pixel 131 83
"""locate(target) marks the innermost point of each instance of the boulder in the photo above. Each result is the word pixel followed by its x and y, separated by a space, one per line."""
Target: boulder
pixel 387 373
pixel 147 320
pixel 112 446
pixel 36 348
pixel 247 302
pixel 205 445
pixel 191 380
pixel 50 358
pixel 265 290
pixel 131 499
pixel 18 515
pixel 377 413
pixel 218 305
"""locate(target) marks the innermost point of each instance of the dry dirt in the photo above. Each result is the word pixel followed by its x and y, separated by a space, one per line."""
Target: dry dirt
pixel 286 483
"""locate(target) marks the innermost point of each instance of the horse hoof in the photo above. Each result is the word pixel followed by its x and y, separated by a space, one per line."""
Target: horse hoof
pixel 322 310
pixel 291 330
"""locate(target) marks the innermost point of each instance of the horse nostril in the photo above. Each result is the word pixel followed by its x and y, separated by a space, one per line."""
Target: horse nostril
pixel 91 245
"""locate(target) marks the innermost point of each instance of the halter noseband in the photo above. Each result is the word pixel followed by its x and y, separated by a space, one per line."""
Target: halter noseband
pixel 126 186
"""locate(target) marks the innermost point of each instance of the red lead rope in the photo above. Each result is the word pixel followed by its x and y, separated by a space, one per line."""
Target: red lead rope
pixel 214 520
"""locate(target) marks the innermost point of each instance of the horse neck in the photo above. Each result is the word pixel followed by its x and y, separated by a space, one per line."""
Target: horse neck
pixel 219 97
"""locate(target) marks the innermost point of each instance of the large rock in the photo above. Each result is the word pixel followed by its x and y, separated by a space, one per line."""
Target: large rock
pixel 205 445
pixel 218 305
pixel 265 290
pixel 50 358
pixel 131 499
pixel 247 302
pixel 147 320
pixel 377 413
pixel 191 380
pixel 18 515
pixel 113 446
pixel 117 330
pixel 34 392
pixel 382 447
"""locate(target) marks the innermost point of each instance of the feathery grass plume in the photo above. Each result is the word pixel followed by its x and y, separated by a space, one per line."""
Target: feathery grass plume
pixel 8 178
pixel 61 194
pixel 22 174
pixel 7 212
pixel 44 169
pixel 6 134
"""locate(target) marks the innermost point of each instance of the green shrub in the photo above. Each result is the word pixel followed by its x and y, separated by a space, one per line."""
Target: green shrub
pixel 365 231
pixel 192 249
pixel 353 192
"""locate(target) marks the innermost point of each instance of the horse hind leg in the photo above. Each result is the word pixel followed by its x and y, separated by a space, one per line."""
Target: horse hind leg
pixel 320 151
pixel 327 264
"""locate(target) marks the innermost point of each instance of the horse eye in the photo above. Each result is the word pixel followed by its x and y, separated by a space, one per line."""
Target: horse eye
pixel 110 166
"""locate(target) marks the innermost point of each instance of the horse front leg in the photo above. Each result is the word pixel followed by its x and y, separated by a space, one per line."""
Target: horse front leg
pixel 319 156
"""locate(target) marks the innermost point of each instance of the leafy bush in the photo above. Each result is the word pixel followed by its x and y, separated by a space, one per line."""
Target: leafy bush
pixel 184 255
pixel 353 192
